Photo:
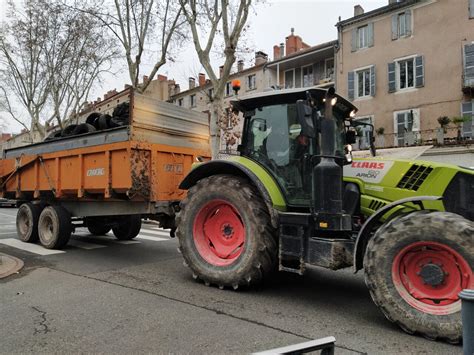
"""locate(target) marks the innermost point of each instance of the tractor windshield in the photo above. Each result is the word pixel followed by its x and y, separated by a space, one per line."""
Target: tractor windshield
pixel 274 139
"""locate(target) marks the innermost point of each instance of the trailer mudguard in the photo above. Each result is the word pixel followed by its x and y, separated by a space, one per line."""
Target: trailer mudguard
pixel 365 232
pixel 240 166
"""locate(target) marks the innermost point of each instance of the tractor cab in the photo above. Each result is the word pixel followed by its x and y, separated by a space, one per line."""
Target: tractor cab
pixel 289 132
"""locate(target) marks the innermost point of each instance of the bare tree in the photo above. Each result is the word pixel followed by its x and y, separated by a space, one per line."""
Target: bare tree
pixel 206 19
pixel 48 63
pixel 143 28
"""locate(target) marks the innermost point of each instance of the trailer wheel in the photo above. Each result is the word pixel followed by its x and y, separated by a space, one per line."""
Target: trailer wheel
pixel 225 234
pixel 83 128
pixel 96 226
pixel 27 222
pixel 54 227
pixel 128 227
pixel 415 267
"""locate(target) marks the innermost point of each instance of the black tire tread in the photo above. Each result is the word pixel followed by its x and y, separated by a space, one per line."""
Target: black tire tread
pixel 65 227
pixel 128 228
pixel 265 263
pixel 462 231
pixel 35 211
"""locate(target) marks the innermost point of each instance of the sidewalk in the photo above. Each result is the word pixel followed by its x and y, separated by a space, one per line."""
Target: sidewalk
pixel 9 265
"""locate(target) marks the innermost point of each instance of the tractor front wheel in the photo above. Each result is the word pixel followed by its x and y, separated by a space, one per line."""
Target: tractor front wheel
pixel 225 234
pixel 415 267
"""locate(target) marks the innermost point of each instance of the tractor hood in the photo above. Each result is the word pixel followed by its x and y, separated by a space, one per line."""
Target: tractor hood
pixel 272 97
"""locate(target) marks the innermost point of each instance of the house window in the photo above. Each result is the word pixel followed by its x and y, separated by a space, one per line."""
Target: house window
pixel 363 83
pixel 363 37
pixel 467 111
pixel 406 74
pixel 180 102
pixel 363 132
pixel 228 89
pixel 308 78
pixel 401 25
pixel 251 82
pixel 290 79
pixel 329 68
pixel 192 100
pixel 210 93
pixel 406 127
pixel 471 8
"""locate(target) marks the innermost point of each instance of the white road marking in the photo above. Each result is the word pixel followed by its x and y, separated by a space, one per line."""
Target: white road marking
pixel 8 233
pixel 32 248
pixel 85 245
pixel 126 242
pixel 155 232
pixel 8 215
pixel 146 237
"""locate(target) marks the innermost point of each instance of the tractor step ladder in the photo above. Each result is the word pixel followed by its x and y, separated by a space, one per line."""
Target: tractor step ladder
pixel 291 248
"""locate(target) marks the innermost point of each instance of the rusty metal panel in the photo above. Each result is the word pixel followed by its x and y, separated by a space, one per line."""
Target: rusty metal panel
pixel 140 168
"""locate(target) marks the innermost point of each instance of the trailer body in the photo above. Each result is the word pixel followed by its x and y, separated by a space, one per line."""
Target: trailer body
pixel 134 169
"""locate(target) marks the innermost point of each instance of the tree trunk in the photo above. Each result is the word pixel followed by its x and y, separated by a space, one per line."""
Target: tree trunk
pixel 216 110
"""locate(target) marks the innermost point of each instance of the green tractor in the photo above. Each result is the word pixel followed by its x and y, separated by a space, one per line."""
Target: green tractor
pixel 294 197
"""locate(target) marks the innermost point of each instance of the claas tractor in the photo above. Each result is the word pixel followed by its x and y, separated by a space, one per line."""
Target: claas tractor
pixel 293 198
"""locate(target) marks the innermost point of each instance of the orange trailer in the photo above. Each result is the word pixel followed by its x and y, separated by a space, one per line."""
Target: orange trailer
pixel 107 179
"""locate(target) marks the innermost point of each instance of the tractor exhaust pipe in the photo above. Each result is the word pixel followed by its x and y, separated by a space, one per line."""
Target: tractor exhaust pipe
pixel 327 184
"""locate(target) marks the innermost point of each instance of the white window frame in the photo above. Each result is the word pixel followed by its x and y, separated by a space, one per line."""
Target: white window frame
pixel 398 73
pixel 302 75
pixel 192 100
pixel 356 82
pixel 363 37
pixel 400 33
pixel 326 74
pixel 228 89
pixel 251 84
pixel 294 78
pixel 415 125
pixel 365 130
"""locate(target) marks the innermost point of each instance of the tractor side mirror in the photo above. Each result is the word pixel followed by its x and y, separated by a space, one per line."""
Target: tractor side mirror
pixel 305 118
pixel 350 137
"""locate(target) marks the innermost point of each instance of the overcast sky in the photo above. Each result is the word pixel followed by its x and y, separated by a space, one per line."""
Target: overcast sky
pixel 313 20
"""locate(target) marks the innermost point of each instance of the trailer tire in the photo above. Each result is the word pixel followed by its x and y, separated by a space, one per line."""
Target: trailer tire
pixel 27 222
pixel 96 226
pixel 83 128
pixel 128 227
pixel 415 266
pixel 54 227
pixel 68 131
pixel 243 249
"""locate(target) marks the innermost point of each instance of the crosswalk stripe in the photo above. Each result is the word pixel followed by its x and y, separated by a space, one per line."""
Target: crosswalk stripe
pixel 126 242
pixel 155 232
pixel 32 248
pixel 85 245
pixel 146 237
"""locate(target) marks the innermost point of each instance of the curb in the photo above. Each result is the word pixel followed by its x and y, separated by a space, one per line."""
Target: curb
pixel 9 265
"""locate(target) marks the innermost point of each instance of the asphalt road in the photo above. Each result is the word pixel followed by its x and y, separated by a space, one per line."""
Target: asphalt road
pixel 100 295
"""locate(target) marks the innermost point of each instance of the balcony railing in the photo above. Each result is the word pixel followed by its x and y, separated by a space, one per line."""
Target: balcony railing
pixel 468 84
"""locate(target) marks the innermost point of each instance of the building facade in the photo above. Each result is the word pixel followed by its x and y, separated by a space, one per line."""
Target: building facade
pixel 407 64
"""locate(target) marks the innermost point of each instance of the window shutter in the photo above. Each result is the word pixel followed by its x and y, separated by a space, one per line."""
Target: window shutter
pixel 394 27
pixel 469 64
pixel 354 39
pixel 419 72
pixel 471 8
pixel 372 80
pixel 392 87
pixel 370 29
pixel 298 83
pixel 350 85
pixel 467 110
pixel 408 15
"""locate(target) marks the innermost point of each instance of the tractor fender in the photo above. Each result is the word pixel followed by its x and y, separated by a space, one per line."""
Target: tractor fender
pixel 366 230
pixel 271 195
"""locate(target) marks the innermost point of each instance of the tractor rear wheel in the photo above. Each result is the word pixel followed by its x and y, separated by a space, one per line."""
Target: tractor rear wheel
pixel 415 267
pixel 225 234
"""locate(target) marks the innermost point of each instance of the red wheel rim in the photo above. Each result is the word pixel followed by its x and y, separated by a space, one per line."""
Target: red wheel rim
pixel 219 233
pixel 429 277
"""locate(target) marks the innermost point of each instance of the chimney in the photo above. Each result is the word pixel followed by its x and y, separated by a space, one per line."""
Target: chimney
pixel 221 70
pixel 145 78
pixel 282 50
pixel 202 79
pixel 393 1
pixel 177 89
pixel 240 65
pixel 162 77
pixel 276 52
pixel 261 57
pixel 358 10
pixel 192 83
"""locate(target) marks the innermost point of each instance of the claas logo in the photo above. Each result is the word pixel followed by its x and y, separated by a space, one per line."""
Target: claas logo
pixel 367 165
